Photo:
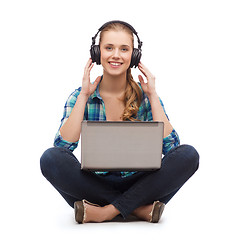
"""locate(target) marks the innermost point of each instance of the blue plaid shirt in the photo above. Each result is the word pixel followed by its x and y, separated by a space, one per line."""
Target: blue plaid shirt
pixel 95 111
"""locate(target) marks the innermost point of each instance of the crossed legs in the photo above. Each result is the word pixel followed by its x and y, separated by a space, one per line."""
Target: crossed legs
pixel 134 194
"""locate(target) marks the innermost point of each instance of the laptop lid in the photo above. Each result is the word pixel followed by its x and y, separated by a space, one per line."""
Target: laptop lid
pixel 121 145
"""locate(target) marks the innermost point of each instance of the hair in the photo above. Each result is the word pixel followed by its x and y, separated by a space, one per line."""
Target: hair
pixel 133 93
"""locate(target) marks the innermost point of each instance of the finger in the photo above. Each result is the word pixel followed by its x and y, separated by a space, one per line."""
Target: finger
pixel 97 80
pixel 143 71
pixel 89 62
pixel 142 65
pixel 141 79
pixel 144 68
pixel 90 68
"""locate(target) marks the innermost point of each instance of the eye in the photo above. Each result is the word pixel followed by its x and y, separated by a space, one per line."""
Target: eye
pixel 108 48
pixel 124 49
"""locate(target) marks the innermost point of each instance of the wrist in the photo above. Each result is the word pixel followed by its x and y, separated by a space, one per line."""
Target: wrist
pixel 153 95
pixel 83 97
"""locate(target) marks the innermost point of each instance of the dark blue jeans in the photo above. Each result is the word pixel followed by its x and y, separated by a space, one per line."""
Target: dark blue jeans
pixel 62 169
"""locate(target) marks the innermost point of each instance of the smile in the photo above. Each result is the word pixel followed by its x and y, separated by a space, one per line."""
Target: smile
pixel 115 64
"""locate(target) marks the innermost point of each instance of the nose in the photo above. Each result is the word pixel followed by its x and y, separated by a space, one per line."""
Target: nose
pixel 116 53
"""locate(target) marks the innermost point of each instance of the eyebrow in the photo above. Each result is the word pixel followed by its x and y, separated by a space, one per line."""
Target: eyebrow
pixel 110 44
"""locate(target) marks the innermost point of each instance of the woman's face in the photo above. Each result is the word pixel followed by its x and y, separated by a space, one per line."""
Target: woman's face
pixel 116 51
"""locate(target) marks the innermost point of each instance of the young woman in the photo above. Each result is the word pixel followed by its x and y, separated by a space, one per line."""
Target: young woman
pixel 101 196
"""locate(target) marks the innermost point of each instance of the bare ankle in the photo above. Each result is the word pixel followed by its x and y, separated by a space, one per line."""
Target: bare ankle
pixel 143 212
pixel 110 212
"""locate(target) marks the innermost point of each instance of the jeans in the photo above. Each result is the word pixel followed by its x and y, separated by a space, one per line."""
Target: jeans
pixel 62 169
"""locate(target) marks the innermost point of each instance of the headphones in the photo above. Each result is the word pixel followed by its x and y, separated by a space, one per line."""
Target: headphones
pixel 95 49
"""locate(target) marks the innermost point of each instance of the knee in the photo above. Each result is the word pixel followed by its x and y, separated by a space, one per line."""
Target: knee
pixel 191 157
pixel 48 160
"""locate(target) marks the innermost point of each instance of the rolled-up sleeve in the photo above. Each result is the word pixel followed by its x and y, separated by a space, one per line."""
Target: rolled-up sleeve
pixel 170 142
pixel 58 140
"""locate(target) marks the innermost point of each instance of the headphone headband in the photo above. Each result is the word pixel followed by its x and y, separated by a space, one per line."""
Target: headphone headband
pixel 123 23
pixel 118 21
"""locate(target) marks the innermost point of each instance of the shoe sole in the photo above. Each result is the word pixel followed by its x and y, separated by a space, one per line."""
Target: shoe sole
pixel 79 211
pixel 157 212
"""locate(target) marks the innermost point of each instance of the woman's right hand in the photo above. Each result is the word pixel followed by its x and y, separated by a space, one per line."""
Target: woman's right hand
pixel 87 87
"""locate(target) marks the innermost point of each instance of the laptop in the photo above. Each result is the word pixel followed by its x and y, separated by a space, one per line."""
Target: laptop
pixel 121 145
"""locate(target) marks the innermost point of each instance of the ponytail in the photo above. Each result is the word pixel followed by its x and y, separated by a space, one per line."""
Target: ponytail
pixel 132 99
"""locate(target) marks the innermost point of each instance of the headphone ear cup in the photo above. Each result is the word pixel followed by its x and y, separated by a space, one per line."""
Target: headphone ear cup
pixel 136 56
pixel 95 54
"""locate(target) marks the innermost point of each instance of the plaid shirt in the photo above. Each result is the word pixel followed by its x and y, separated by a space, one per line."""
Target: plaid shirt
pixel 95 111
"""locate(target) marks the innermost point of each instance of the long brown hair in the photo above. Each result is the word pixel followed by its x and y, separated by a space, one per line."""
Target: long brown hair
pixel 133 93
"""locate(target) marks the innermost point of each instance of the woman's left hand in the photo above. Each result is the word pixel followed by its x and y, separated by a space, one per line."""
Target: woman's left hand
pixel 149 87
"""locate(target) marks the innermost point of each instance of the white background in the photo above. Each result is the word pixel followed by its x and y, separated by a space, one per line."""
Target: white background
pixel 192 47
